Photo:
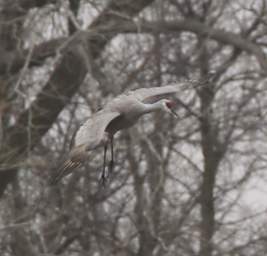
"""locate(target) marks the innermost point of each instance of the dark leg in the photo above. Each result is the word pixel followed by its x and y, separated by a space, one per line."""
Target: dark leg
pixel 103 174
pixel 111 163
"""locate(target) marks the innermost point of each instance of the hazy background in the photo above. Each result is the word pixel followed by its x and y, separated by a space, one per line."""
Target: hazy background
pixel 190 186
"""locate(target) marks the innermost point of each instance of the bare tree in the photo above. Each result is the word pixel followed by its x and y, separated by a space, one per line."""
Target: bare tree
pixel 180 187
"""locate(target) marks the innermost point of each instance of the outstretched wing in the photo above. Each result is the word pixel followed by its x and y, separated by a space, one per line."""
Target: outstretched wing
pixel 92 131
pixel 89 135
pixel 153 94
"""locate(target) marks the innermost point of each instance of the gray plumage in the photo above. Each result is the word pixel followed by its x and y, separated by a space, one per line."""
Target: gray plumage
pixel 120 113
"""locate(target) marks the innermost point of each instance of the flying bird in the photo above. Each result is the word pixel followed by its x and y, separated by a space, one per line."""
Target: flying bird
pixel 120 113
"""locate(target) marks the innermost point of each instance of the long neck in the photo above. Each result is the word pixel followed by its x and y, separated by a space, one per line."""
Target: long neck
pixel 152 107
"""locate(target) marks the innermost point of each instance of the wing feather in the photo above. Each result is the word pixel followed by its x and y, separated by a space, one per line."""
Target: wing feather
pixel 66 168
pixel 92 131
pixel 88 136
pixel 153 94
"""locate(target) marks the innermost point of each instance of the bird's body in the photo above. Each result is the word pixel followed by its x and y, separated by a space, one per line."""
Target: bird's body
pixel 120 113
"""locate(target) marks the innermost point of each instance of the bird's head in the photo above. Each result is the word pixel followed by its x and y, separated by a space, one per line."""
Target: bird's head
pixel 168 106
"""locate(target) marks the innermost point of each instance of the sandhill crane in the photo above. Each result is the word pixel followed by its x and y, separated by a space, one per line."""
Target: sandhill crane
pixel 121 113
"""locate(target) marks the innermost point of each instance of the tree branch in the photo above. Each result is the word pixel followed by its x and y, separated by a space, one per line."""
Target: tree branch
pixel 190 25
pixel 109 30
pixel 12 62
pixel 64 82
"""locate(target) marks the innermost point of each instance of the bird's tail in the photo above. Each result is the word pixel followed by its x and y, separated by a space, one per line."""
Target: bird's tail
pixel 66 168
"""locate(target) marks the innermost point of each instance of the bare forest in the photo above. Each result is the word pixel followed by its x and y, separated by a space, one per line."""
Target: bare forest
pixel 191 186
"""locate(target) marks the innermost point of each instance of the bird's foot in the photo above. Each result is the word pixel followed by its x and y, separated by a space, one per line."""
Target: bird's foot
pixel 103 179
